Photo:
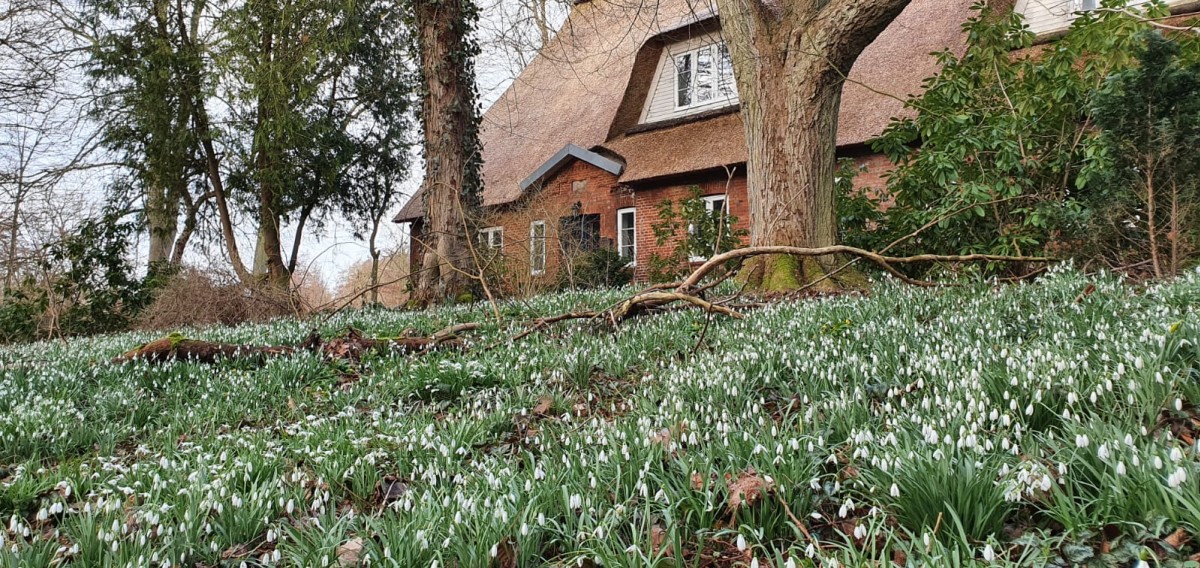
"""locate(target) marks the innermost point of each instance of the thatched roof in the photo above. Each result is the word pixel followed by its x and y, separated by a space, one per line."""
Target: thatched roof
pixel 586 89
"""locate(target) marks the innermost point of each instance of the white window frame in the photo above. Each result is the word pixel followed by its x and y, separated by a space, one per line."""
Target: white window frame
pixel 492 238
pixel 717 98
pixel 533 239
pixel 621 234
pixel 710 205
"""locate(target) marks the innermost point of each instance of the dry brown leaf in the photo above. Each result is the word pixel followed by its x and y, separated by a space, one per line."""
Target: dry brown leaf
pixel 658 536
pixel 349 552
pixel 238 551
pixel 697 481
pixel 543 406
pixel 1177 538
pixel 747 489
pixel 506 554
pixel 390 489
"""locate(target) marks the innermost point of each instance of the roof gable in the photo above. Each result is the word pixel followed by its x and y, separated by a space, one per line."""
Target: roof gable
pixel 563 157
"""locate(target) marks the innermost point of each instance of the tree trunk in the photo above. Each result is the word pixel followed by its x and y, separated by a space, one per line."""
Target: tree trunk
pixel 162 219
pixel 790 61
pixel 450 119
pixel 374 250
pixel 276 275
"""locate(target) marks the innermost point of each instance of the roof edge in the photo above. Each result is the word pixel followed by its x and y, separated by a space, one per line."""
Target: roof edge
pixel 559 159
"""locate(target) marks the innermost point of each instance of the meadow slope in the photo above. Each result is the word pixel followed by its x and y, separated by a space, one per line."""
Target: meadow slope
pixel 1032 425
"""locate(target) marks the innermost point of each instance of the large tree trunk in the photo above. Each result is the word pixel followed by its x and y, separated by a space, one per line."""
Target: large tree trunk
pixel 275 274
pixel 162 219
pixel 790 62
pixel 450 119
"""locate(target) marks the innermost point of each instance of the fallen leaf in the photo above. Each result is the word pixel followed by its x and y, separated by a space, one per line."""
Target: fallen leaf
pixel 1177 539
pixel 697 481
pixel 506 554
pixel 391 489
pixel 349 552
pixel 747 489
pixel 543 406
pixel 658 536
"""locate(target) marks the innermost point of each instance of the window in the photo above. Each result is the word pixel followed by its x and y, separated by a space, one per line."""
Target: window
pixel 718 208
pixel 579 232
pixel 715 205
pixel 492 238
pixel 627 234
pixel 704 76
pixel 537 247
pixel 1087 5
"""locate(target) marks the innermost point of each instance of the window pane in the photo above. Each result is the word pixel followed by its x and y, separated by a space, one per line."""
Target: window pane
pixel 725 84
pixel 704 75
pixel 683 80
pixel 716 206
pixel 626 233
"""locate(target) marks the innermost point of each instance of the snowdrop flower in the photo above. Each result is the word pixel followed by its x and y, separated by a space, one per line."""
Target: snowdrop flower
pixel 1081 441
pixel 741 543
pixel 989 554
pixel 1177 478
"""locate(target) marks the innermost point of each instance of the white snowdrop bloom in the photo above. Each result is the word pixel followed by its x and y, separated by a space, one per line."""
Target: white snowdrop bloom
pixel 1177 478
pixel 1081 441
pixel 791 562
pixel 741 543
pixel 1176 454
pixel 1120 468
pixel 495 549
pixel 754 562
pixel 1178 404
pixel 1102 452
pixel 988 554
pixel 1158 463
pixel 860 531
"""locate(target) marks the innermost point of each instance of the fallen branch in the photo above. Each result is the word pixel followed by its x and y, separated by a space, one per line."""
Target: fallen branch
pixel 884 262
pixel 176 347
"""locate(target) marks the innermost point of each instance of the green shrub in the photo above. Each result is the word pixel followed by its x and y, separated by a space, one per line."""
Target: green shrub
pixel 598 268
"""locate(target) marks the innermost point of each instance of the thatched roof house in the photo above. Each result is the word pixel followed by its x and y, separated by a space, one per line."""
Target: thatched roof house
pixel 633 103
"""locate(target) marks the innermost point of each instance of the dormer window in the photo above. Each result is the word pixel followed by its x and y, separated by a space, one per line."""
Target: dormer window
pixel 694 76
pixel 704 75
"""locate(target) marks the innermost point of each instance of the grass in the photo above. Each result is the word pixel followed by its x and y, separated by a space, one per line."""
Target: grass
pixel 977 425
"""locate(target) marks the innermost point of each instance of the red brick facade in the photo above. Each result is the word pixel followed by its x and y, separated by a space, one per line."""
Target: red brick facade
pixel 585 189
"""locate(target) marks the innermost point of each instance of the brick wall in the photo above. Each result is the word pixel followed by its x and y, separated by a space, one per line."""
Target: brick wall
pixel 647 201
pixel 597 192
pixel 594 190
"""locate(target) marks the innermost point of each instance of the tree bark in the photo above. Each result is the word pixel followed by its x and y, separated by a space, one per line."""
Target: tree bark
pixel 450 120
pixel 790 62
pixel 162 220
pixel 277 276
